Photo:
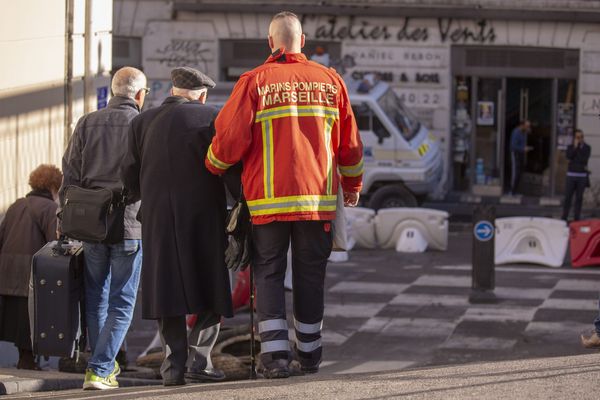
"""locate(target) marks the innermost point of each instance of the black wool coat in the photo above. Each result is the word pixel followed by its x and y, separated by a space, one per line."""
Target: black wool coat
pixel 183 210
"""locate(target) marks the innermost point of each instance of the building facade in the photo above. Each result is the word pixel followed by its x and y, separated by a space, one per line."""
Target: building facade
pixel 56 66
pixel 470 71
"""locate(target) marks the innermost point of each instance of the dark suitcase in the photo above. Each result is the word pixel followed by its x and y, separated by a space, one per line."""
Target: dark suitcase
pixel 56 311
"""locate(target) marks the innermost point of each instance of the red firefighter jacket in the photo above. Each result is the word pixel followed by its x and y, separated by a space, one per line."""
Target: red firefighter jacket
pixel 291 124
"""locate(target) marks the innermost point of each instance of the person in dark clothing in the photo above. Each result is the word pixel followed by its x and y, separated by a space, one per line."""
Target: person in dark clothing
pixel 518 149
pixel 183 226
pixel 28 225
pixel 578 155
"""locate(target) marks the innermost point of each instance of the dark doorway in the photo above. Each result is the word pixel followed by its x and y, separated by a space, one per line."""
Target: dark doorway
pixel 530 99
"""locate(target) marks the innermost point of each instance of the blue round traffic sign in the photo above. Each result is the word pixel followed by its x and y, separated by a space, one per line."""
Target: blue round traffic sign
pixel 483 231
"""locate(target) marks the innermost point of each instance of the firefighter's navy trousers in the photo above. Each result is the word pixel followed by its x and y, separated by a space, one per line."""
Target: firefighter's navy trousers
pixel 311 243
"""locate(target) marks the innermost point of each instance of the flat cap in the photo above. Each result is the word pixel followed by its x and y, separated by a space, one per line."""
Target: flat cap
pixel 190 78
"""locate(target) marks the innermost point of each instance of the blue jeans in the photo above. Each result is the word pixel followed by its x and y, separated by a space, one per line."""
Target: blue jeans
pixel 112 276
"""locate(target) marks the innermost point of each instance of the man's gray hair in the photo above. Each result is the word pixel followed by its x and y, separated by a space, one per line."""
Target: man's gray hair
pixel 127 82
pixel 190 94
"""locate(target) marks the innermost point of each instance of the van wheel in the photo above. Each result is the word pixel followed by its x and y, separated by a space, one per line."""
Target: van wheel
pixel 390 196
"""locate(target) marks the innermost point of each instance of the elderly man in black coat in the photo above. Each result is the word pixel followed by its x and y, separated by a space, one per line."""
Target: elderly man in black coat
pixel 183 226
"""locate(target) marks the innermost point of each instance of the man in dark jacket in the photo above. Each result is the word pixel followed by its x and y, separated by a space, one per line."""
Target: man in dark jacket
pixel 112 272
pixel 578 155
pixel 518 149
pixel 183 226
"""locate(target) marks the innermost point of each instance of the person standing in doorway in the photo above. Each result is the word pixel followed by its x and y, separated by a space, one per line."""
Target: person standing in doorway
pixel 518 149
pixel 578 155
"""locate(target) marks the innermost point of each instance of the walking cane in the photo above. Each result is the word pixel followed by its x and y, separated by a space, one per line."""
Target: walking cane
pixel 252 355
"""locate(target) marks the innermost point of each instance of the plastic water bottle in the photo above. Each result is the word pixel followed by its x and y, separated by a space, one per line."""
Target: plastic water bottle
pixel 479 173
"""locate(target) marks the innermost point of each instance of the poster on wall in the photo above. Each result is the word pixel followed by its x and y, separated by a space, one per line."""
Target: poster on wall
pixel 565 123
pixel 485 113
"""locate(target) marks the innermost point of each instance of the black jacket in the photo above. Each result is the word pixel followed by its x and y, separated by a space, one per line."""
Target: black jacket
pixel 578 157
pixel 183 211
pixel 96 150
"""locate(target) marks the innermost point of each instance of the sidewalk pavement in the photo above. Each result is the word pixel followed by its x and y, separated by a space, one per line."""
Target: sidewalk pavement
pixel 14 381
pixel 572 377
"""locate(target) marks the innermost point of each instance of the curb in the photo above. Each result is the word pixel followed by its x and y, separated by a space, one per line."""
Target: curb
pixel 15 385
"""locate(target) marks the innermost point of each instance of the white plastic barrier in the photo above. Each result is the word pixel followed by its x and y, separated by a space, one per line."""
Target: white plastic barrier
pixel 412 230
pixel 361 226
pixel 531 240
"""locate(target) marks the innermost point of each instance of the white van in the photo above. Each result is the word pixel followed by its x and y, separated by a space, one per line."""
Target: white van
pixel 403 160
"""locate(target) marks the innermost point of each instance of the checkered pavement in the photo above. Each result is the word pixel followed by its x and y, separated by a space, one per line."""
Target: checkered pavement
pixel 380 317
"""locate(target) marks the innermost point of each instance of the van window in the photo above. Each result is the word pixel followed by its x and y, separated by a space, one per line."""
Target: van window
pixel 399 115
pixel 380 131
pixel 362 114
pixel 367 121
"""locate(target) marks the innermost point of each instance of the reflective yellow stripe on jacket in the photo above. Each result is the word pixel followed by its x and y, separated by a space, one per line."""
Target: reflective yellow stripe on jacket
pixel 215 161
pixel 281 205
pixel 297 111
pixel 352 170
pixel 266 118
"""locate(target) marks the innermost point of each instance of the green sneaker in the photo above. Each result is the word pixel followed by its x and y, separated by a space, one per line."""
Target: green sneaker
pixel 95 382
pixel 116 370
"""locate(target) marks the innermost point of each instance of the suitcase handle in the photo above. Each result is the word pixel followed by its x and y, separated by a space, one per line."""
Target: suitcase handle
pixel 60 248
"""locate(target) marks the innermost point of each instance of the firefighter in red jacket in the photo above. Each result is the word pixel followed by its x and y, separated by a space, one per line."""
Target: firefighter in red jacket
pixel 290 122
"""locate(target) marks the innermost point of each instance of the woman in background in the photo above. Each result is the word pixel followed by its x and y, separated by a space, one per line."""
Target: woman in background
pixel 29 224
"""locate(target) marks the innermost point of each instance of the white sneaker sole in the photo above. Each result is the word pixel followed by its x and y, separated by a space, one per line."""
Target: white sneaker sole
pixel 97 386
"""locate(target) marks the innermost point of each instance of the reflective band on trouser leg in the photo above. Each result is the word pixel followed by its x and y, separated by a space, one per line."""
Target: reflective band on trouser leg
pixel 308 337
pixel 273 335
pixel 308 328
pixel 309 347
pixel 272 325
pixel 274 345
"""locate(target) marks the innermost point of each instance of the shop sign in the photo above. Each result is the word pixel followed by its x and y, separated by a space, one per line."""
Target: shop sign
pixel 448 30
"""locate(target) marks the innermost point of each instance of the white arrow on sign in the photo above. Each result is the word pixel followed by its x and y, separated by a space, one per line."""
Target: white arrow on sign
pixel 485 230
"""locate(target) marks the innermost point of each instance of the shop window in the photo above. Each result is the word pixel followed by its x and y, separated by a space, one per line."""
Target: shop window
pixel 565 127
pixel 461 133
pixel 126 51
pixel 240 55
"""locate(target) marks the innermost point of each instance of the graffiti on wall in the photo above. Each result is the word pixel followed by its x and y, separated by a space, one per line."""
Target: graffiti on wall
pixel 169 44
pixel 184 52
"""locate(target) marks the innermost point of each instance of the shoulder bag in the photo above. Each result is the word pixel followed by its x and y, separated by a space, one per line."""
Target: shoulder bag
pixel 95 215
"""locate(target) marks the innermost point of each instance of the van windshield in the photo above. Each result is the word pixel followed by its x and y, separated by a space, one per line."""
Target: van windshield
pixel 399 115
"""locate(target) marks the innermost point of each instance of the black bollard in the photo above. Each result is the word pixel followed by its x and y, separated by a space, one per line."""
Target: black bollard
pixel 483 274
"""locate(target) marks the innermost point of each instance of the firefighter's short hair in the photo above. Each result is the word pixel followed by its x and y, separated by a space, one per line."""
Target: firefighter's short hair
pixel 285 14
